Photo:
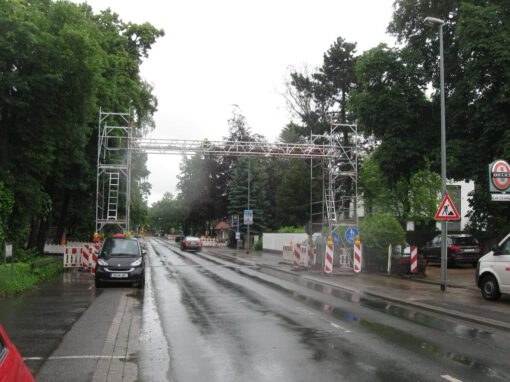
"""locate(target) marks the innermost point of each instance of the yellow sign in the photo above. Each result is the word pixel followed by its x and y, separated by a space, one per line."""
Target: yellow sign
pixel 330 240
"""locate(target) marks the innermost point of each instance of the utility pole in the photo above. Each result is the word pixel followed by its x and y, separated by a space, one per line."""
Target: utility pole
pixel 248 225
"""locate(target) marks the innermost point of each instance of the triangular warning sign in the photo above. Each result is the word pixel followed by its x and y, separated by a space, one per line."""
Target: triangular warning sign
pixel 447 210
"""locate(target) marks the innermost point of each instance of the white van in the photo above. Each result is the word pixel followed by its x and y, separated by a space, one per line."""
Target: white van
pixel 493 271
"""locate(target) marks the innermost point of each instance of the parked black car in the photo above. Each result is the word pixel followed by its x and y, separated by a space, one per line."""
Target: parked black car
pixel 191 243
pixel 461 249
pixel 120 260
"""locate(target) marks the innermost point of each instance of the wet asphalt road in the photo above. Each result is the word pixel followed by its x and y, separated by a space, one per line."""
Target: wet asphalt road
pixel 204 317
pixel 219 321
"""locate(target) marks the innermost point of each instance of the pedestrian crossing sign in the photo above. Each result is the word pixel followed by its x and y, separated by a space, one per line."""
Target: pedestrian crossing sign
pixel 447 210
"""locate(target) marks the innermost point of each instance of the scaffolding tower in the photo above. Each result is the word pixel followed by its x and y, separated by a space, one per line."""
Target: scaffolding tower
pixel 114 151
pixel 339 203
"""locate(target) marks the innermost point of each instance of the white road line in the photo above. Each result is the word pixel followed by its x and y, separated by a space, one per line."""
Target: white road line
pixel 339 327
pixel 64 357
pixel 450 378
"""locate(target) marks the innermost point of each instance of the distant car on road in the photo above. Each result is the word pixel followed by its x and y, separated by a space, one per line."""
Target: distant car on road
pixel 121 260
pixel 178 237
pixel 191 243
pixel 461 249
pixel 12 366
pixel 493 271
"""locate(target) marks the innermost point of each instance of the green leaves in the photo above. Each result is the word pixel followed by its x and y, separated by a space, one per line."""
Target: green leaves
pixel 58 64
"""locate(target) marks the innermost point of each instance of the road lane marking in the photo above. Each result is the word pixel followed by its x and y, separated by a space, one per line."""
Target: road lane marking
pixel 339 327
pixel 450 378
pixel 64 357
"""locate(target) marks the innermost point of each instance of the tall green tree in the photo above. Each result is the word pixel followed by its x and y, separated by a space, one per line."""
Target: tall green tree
pixel 250 179
pixel 59 63
pixel 477 97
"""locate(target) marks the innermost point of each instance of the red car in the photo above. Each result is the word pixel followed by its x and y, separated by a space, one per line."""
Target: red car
pixel 12 366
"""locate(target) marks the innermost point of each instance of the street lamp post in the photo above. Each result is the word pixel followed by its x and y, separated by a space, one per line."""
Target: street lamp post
pixel 432 21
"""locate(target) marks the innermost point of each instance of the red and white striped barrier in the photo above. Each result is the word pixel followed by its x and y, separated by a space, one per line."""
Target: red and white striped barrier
pixel 296 261
pixel 328 258
pixel 414 259
pixel 209 242
pixel 72 257
pixel 358 250
pixel 305 261
pixel 89 251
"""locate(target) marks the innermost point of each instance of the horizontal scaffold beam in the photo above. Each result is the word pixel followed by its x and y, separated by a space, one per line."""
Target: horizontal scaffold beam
pixel 236 148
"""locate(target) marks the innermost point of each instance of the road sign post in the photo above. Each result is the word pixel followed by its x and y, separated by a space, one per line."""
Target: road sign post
pixel 446 212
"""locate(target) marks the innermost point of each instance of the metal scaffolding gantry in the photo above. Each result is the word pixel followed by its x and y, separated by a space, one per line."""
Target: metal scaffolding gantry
pixel 114 152
pixel 339 162
pixel 339 203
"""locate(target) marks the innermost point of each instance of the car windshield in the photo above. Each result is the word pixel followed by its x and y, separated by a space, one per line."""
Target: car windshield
pixel 120 247
pixel 464 240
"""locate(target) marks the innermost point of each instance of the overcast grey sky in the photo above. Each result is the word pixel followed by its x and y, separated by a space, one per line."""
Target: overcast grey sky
pixel 222 52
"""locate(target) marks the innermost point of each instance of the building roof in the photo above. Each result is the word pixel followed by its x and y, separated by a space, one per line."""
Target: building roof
pixel 223 225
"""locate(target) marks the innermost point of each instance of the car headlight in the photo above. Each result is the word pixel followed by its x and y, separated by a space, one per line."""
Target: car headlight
pixel 102 262
pixel 136 263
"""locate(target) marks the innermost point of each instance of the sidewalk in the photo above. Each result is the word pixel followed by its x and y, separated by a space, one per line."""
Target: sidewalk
pixel 461 300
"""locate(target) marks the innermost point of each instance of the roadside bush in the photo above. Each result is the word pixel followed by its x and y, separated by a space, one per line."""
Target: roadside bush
pixel 377 232
pixel 290 229
pixel 24 255
pixel 257 246
pixel 22 277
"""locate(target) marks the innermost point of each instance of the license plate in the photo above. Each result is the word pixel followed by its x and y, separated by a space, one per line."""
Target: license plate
pixel 119 275
pixel 469 250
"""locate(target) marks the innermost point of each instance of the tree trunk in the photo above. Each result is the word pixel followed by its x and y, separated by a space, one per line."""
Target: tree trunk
pixel 62 221
pixel 34 231
pixel 42 236
pixel 4 139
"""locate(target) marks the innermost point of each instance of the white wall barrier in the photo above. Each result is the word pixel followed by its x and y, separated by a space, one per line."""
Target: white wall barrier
pixel 274 242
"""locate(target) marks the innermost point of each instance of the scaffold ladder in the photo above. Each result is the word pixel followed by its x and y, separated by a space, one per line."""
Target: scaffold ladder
pixel 113 195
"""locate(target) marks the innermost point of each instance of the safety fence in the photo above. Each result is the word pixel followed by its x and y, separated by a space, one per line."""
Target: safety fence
pixel 82 256
pixel 303 256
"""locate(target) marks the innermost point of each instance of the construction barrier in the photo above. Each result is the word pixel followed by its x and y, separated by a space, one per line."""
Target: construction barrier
pixel 83 256
pixel 304 261
pixel 288 253
pixel 88 251
pixel 344 260
pixel 209 242
pixel 72 257
pixel 357 256
pixel 414 259
pixel 296 261
pixel 328 260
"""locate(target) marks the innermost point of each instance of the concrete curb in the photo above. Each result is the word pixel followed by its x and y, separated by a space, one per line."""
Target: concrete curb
pixel 416 304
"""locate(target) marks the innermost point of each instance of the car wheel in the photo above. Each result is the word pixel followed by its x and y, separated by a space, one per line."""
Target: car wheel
pixel 141 284
pixel 98 283
pixel 490 288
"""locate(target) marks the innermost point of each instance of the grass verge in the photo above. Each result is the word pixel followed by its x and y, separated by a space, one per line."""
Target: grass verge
pixel 23 277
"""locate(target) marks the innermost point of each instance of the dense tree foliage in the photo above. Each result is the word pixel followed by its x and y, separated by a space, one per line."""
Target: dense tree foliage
pixel 58 64
pixel 477 71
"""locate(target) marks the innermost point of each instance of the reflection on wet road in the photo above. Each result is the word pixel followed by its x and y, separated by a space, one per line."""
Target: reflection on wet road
pixel 210 319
